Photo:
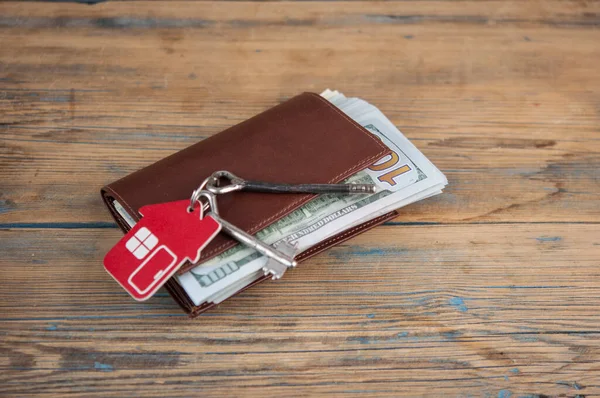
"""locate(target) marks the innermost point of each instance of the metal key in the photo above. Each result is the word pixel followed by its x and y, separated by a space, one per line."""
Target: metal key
pixel 275 268
pixel 238 184
pixel 240 235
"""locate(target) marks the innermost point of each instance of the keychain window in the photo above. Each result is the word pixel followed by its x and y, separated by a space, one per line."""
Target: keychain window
pixel 141 243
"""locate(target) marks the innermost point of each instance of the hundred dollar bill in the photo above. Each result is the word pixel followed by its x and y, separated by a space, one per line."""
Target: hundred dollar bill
pixel 236 286
pixel 402 177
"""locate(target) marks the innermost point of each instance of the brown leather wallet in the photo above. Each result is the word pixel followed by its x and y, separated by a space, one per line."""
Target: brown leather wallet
pixel 303 140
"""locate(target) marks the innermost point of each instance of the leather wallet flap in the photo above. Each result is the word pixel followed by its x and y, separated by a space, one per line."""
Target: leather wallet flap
pixel 303 140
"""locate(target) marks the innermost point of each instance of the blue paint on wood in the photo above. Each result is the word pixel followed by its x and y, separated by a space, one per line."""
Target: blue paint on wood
pixel 62 89
pixel 573 384
pixel 525 338
pixel 60 225
pixel 361 392
pixel 452 334
pixel 52 327
pixel 104 317
pixel 104 367
pixel 504 394
pixel 361 339
pixel 515 370
pixel 369 252
pixel 115 168
pixel 419 223
pixel 402 334
pixel 542 239
pixel 351 251
pixel 125 22
pixel 459 304
pixel 88 2
pixel 410 223
pixel 6 205
pixel 56 98
pixel 528 287
pixel 370 316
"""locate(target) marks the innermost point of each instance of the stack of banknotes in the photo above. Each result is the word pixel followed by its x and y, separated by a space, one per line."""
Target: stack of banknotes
pixel 402 178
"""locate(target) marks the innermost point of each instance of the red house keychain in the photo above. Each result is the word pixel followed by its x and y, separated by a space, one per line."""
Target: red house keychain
pixel 167 236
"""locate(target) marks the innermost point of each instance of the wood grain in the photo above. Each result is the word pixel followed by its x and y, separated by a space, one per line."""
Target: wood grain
pixel 490 289
pixel 481 310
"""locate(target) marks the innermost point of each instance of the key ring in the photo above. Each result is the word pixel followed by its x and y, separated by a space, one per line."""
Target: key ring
pixel 235 183
pixel 196 195
pixel 211 202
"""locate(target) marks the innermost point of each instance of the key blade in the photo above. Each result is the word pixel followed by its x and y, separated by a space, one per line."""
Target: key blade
pixel 274 267
pixel 254 243
pixel 260 186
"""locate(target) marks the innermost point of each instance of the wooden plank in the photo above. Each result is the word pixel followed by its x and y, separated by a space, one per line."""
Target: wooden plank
pixel 450 310
pixel 498 94
pixel 488 290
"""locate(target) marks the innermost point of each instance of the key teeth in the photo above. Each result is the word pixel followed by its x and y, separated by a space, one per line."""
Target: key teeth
pixel 274 276
pixel 277 269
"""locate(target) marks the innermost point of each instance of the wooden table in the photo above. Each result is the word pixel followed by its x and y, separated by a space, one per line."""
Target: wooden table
pixel 491 289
